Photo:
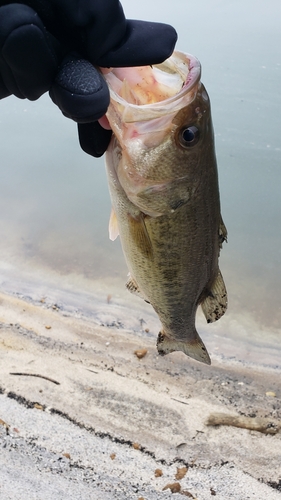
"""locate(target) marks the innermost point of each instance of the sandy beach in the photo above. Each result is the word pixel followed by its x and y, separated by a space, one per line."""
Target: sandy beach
pixel 83 417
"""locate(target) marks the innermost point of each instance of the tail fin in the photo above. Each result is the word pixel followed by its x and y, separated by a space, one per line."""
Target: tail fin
pixel 193 348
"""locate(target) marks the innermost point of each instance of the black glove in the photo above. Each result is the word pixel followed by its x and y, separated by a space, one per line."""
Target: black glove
pixel 53 45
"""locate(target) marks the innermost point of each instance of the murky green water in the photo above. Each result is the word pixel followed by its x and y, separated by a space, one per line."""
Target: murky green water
pixel 54 202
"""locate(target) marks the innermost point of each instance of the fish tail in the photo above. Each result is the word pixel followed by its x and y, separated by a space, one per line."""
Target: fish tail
pixel 194 348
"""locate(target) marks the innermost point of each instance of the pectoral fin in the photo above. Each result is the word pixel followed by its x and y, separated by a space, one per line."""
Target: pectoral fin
pixel 214 304
pixel 194 348
pixel 113 226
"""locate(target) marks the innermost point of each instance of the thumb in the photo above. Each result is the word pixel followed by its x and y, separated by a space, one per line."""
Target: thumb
pixel 79 90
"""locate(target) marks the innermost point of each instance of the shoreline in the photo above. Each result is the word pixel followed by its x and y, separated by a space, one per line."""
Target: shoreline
pixel 105 392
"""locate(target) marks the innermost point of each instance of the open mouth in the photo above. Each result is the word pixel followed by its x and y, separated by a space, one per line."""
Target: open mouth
pixel 149 92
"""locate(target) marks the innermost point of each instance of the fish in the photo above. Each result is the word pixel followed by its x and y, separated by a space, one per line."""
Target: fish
pixel 163 182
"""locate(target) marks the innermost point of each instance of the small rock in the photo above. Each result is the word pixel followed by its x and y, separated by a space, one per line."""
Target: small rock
pixel 140 353
pixel 37 406
pixel 174 487
pixel 113 456
pixel 48 327
pixel 158 473
pixel 181 472
pixel 66 455
pixel 136 446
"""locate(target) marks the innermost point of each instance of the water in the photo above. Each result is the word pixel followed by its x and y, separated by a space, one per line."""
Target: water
pixel 55 206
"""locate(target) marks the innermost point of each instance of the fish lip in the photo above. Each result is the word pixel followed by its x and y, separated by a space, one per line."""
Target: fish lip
pixel 145 112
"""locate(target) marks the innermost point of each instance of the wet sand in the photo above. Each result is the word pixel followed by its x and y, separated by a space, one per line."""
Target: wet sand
pixel 83 417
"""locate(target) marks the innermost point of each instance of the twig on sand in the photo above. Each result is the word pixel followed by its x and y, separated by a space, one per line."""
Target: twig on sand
pixel 265 425
pixel 35 375
pixel 182 402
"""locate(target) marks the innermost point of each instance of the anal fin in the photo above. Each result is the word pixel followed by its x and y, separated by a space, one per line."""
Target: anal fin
pixel 214 303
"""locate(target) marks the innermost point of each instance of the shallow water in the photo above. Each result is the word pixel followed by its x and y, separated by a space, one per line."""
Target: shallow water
pixel 54 200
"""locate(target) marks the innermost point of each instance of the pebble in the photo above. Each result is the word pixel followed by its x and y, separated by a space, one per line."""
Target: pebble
pixel 140 353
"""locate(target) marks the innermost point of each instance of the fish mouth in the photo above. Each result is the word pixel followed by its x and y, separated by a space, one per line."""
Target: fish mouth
pixel 183 64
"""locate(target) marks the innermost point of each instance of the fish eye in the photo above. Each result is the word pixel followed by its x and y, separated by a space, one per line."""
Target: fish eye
pixel 189 136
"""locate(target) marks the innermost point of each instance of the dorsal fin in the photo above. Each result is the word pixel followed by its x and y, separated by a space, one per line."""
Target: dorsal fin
pixel 222 233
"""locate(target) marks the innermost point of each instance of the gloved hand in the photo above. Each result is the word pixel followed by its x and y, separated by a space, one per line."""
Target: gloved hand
pixel 52 45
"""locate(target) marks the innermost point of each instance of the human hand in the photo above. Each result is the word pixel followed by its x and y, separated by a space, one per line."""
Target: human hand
pixel 56 45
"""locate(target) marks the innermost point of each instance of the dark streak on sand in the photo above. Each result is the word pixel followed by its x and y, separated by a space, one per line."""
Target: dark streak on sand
pixel 35 375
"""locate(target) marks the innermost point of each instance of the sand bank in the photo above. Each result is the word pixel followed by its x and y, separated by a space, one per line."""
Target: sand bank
pixel 83 417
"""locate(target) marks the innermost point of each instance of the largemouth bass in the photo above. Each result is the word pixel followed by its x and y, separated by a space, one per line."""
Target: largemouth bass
pixel 163 182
